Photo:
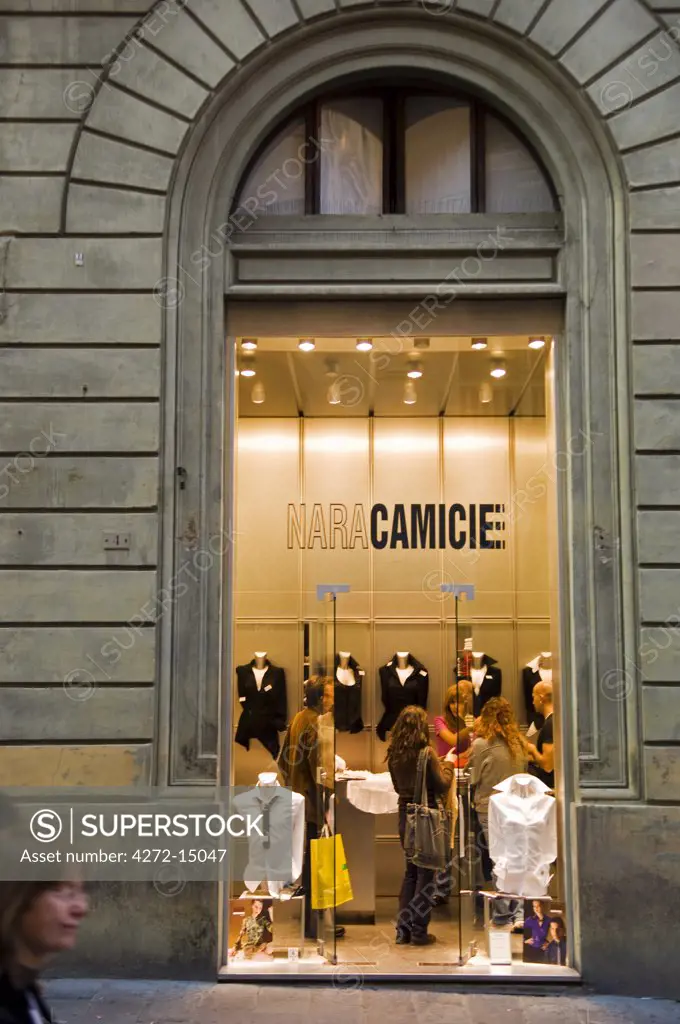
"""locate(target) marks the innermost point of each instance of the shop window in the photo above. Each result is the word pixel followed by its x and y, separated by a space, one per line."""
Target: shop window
pixel 437 155
pixel 514 181
pixel 352 156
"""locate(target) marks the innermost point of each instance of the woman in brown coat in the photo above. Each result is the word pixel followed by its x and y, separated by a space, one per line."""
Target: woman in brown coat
pixel 409 736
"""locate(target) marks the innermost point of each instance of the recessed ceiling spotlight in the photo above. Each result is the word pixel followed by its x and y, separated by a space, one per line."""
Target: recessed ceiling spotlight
pixel 421 343
pixel 536 342
pixel 415 371
pixel 410 394
pixel 258 394
pixel 364 344
pixel 498 368
pixel 249 344
pixel 247 366
pixel 306 344
pixel 480 343
pixel 485 393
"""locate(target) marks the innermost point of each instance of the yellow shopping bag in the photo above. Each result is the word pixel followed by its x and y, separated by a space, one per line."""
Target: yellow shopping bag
pixel 331 885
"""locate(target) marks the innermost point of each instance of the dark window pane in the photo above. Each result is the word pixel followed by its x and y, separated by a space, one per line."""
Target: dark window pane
pixel 351 156
pixel 437 155
pixel 514 181
pixel 277 181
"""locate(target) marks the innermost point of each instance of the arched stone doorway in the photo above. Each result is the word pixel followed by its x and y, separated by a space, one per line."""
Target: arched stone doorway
pixel 475 43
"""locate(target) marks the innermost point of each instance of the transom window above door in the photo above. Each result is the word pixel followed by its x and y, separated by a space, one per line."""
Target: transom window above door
pixel 411 151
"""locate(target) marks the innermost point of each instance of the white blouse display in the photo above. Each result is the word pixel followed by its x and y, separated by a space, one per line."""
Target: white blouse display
pixel 522 835
pixel 286 814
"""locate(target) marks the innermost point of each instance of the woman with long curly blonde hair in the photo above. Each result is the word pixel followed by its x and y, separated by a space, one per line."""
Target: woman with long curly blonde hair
pixel 499 751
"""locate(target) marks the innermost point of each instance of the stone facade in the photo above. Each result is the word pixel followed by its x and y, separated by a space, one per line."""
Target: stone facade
pixel 118 116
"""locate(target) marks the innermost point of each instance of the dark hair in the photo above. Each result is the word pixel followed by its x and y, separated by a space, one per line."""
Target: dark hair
pixel 314 692
pixel 409 736
pixel 16 898
pixel 561 930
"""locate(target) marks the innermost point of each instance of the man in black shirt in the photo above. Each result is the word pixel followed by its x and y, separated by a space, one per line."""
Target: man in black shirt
pixel 543 753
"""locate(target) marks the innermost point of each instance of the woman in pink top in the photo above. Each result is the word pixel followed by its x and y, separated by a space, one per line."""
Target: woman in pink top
pixel 450 730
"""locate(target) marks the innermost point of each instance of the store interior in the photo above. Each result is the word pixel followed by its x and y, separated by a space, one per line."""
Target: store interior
pixel 395 520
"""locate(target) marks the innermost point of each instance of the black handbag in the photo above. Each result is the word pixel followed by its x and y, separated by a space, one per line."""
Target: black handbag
pixel 427 836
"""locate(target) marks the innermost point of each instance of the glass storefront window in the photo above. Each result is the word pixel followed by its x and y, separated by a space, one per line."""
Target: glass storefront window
pixel 356 521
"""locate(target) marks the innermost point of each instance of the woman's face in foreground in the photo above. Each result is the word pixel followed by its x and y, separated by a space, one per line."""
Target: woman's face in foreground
pixel 51 923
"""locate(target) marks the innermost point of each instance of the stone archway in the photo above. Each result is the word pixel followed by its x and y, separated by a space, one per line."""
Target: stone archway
pixel 561 69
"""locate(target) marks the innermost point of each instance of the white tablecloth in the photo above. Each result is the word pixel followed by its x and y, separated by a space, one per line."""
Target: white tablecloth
pixel 371 793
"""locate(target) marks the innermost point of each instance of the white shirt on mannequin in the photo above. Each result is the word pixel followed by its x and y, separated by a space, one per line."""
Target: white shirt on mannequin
pixel 405 673
pixel 522 835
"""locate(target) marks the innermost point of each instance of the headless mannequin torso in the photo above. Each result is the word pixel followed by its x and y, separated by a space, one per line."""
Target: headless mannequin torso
pixel 344 673
pixel 404 670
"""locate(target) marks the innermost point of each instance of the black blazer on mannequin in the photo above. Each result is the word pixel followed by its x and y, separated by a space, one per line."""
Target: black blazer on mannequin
pixel 265 711
pixel 396 697
pixel 347 711
pixel 529 680
pixel 492 685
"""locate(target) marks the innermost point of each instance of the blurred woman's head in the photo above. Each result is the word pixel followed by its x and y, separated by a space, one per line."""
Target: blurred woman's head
pixel 457 703
pixel 38 920
pixel 410 734
pixel 497 722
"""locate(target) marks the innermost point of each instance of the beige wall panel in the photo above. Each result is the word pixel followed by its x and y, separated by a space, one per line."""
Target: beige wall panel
pixel 337 471
pixel 46 373
pixel 109 264
pixel 99 765
pixel 657 424
pixel 78 483
pixel 378 318
pixel 119 114
pixel 81 320
pixel 658 479
pixel 355 749
pixel 528 517
pixel 35 147
pixel 30 205
pixel 77 6
pixel 61 40
pixel 658 537
pixel 476 470
pixel 54 654
pixel 406 471
pixel 144 72
pixel 355 268
pixel 92 208
pixel 67 713
pixel 38 92
pixel 657 210
pixel 661 708
pixel 31 538
pixel 79 427
pixel 659 590
pixel 283 644
pixel 108 160
pixel 662 773
pixel 69 595
pixel 267 581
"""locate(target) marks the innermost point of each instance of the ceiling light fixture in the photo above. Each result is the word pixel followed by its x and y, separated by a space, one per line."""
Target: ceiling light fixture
pixel 410 394
pixel 485 393
pixel 537 343
pixel 249 344
pixel 258 395
pixel 248 366
pixel 421 343
pixel 498 368
pixel 306 344
pixel 415 371
pixel 364 344
pixel 480 343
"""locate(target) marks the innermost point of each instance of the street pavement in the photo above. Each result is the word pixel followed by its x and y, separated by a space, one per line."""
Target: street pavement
pixel 167 1002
